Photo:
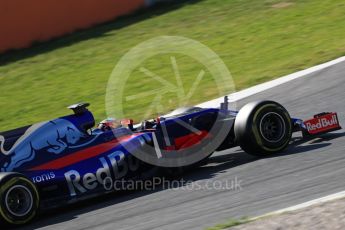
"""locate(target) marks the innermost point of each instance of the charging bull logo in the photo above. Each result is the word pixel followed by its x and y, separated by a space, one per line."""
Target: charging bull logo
pixel 53 136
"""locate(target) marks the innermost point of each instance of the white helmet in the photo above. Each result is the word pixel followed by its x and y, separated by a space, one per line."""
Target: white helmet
pixel 108 124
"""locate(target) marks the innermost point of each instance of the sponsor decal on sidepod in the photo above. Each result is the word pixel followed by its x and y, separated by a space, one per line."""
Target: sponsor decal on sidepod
pixel 89 181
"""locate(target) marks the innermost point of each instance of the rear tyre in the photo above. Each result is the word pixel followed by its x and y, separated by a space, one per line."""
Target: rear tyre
pixel 19 199
pixel 263 128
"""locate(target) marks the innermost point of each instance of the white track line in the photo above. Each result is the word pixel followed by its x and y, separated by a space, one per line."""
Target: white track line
pixel 267 85
pixel 321 200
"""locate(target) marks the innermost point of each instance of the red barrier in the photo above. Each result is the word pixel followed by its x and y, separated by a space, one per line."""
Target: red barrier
pixel 23 22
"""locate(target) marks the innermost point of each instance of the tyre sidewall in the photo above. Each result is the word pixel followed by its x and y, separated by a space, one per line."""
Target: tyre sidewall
pixel 5 185
pixel 247 128
pixel 255 127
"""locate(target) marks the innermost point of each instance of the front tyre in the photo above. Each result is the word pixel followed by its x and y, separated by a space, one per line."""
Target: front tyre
pixel 263 128
pixel 19 199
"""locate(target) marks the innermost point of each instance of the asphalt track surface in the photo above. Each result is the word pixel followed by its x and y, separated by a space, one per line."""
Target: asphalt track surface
pixel 307 170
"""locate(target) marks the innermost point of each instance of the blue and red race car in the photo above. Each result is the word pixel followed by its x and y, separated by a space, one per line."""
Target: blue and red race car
pixel 65 160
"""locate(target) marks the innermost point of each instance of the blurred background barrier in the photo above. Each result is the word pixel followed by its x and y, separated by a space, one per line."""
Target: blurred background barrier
pixel 152 2
pixel 24 22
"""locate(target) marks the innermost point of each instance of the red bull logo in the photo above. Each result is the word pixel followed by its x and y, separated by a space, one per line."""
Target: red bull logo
pixel 119 166
pixel 322 123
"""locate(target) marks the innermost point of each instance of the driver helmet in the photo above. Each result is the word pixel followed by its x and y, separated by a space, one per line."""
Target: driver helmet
pixel 108 124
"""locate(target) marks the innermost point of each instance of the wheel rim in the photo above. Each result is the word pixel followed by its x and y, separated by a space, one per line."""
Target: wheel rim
pixel 272 127
pixel 19 200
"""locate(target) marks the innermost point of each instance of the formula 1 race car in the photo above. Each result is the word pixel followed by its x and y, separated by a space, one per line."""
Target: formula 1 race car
pixel 65 160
